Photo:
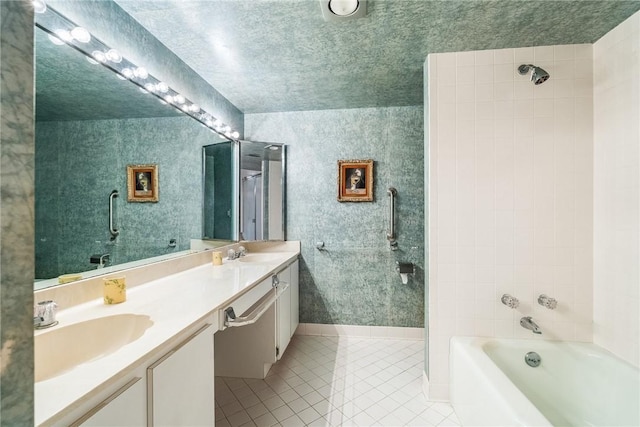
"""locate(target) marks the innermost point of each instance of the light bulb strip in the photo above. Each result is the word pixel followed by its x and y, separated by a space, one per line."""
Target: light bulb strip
pixel 58 26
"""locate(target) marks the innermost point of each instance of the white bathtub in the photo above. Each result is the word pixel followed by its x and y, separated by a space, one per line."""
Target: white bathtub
pixel 577 384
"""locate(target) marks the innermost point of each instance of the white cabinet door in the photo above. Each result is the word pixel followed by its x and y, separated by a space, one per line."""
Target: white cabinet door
pixel 181 384
pixel 124 408
pixel 295 297
pixel 283 310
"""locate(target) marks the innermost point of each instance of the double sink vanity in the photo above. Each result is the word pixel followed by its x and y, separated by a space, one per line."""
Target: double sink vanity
pixel 152 359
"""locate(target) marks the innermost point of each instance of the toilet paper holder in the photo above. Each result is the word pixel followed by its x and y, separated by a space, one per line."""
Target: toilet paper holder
pixel 405 268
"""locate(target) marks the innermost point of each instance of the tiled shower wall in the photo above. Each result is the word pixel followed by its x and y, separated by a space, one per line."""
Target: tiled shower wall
pixel 510 195
pixel 353 281
pixel 617 190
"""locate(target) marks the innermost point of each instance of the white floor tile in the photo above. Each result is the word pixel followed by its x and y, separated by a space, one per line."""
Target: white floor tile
pixel 335 381
pixel 282 413
pixel 257 411
pixel 238 419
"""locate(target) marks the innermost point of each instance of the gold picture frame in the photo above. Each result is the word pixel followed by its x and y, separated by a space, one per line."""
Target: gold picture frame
pixel 355 180
pixel 142 183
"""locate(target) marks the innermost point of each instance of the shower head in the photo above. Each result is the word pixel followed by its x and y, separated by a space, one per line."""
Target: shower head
pixel 538 75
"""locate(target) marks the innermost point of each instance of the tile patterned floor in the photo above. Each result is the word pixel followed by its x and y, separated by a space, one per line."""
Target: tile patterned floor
pixel 335 381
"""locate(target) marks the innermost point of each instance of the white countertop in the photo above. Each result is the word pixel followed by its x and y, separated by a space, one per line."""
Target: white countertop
pixel 175 303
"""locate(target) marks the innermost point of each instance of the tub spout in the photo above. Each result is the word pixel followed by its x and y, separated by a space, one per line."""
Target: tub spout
pixel 528 323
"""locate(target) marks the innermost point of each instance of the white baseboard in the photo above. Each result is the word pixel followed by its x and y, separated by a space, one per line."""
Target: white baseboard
pixel 381 332
pixel 425 385
pixel 434 392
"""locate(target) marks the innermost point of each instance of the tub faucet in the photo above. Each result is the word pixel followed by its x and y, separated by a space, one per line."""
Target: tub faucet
pixel 528 323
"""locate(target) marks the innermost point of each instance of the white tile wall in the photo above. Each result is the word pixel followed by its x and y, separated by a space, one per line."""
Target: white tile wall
pixel 511 194
pixel 617 190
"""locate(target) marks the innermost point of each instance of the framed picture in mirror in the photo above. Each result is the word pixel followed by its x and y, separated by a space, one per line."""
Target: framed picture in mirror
pixel 142 183
pixel 355 180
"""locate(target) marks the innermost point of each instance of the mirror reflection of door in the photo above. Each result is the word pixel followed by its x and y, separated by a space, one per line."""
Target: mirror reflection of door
pixel 252 213
pixel 261 191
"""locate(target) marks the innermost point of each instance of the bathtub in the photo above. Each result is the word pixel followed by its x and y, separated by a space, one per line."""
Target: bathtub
pixel 576 384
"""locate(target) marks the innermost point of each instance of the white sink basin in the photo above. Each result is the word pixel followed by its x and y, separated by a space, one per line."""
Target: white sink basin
pixel 62 348
pixel 261 257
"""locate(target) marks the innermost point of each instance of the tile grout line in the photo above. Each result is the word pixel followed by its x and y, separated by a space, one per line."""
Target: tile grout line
pixel 351 375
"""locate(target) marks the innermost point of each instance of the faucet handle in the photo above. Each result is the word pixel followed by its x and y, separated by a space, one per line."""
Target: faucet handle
pixel 509 301
pixel 548 302
pixel 241 251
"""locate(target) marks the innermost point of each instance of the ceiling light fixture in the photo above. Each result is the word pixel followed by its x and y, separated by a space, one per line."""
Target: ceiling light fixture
pixel 39 6
pixel 343 7
pixel 97 52
pixel 339 10
pixel 81 34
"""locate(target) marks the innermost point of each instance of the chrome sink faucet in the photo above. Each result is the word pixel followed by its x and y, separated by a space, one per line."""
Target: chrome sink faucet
pixel 232 254
pixel 528 323
pixel 44 314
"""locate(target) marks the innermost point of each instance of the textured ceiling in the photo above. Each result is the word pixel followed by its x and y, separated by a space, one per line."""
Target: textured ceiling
pixel 281 55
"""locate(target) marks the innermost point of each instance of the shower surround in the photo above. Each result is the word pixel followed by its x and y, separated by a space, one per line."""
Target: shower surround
pixel 511 196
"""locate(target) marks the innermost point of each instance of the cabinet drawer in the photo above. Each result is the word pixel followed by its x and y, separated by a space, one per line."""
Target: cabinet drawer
pixel 243 303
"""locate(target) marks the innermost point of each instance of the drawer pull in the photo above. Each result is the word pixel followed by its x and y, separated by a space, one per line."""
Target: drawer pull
pixel 231 320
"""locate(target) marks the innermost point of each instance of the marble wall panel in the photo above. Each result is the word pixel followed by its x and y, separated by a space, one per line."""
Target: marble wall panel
pixel 16 213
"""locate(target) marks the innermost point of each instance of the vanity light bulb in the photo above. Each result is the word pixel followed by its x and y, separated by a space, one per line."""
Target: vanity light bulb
pixel 99 56
pixel 141 73
pixel 194 108
pixel 179 99
pixel 39 6
pixel 55 40
pixel 184 107
pixel 81 35
pixel 127 72
pixel 235 134
pixel 64 35
pixel 150 87
pixel 169 99
pixel 114 56
pixel 162 87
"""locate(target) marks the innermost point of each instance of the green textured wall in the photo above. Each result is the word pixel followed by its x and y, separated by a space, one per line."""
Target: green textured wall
pixel 353 281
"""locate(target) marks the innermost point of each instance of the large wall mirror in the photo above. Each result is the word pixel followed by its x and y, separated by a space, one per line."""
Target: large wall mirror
pixel 252 205
pixel 90 125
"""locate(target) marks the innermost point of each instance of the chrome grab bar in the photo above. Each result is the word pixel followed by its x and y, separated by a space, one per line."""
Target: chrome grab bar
pixel 230 319
pixel 391 235
pixel 112 230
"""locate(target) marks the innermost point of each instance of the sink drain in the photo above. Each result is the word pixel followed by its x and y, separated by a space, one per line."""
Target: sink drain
pixel 532 359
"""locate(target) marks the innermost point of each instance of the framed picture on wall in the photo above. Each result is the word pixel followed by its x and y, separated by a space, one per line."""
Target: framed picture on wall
pixel 142 183
pixel 355 180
